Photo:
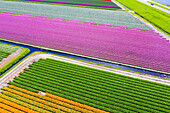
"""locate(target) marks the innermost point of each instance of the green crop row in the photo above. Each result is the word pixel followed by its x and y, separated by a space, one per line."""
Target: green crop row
pixel 153 15
pixel 106 83
pixel 94 88
pixel 109 82
pixel 54 90
pixel 93 92
pixel 105 74
pixel 108 90
pixel 104 90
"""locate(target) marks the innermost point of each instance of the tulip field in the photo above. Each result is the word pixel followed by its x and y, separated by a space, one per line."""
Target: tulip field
pixel 116 18
pixel 83 56
pixel 70 87
pixel 16 99
pixel 127 46
pixel 95 4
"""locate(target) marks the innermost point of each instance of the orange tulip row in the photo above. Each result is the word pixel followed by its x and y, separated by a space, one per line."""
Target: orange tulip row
pixel 4 111
pixel 14 107
pixel 31 102
pixel 30 108
pixel 69 105
pixel 76 103
pixel 4 108
pixel 62 101
pixel 42 101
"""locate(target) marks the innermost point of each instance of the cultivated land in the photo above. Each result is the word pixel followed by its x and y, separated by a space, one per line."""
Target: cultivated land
pixel 10 54
pixel 94 4
pixel 126 46
pixel 121 18
pixel 44 82
pixel 23 100
pixel 73 83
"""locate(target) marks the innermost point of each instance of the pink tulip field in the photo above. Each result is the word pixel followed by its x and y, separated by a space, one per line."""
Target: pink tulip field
pixel 134 47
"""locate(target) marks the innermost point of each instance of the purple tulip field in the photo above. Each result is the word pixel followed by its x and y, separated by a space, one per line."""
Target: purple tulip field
pixel 139 48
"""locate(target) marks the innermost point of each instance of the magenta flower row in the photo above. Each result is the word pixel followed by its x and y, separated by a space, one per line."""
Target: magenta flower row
pixel 139 48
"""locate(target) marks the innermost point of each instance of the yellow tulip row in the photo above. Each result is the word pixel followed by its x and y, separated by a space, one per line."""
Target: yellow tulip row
pixel 61 101
pixel 15 108
pixel 27 107
pixel 37 100
pixel 3 110
pixel 32 103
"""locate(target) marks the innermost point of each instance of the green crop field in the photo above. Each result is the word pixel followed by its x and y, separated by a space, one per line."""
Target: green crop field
pixel 100 89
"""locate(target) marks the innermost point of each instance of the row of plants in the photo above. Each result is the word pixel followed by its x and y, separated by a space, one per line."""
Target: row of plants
pixel 60 103
pixel 29 101
pixel 93 77
pixel 19 104
pixel 99 89
pixel 9 106
pixel 93 91
pixel 105 74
